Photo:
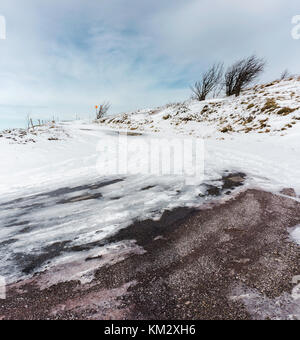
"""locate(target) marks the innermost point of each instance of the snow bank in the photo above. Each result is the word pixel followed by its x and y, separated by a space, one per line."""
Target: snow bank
pixel 267 109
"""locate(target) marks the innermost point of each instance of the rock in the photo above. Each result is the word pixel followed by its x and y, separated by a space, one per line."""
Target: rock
pixel 236 179
pixel 288 192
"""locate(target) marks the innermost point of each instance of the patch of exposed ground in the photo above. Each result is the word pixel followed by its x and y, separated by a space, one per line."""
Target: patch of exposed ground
pixel 234 260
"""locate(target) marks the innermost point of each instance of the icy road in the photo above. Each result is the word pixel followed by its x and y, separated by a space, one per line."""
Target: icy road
pixel 57 211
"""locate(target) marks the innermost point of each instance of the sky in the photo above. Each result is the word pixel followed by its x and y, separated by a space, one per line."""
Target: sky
pixel 62 57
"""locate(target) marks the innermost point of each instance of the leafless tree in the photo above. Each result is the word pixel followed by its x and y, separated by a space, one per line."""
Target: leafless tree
pixel 103 109
pixel 209 82
pixel 285 74
pixel 243 73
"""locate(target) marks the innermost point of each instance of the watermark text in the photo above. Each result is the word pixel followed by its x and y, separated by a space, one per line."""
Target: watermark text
pixel 152 156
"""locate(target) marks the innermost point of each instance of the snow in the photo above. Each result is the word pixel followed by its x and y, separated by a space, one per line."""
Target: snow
pixel 262 143
pixel 267 109
pixel 295 234
pixel 50 200
pixel 56 207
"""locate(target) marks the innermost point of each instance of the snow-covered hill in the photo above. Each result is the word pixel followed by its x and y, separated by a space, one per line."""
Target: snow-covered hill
pixel 265 109
pixel 55 205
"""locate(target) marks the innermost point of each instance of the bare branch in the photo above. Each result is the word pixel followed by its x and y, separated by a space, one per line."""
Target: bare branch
pixel 209 81
pixel 285 75
pixel 103 109
pixel 243 73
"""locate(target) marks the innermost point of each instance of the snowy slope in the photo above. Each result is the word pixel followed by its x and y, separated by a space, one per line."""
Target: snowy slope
pixel 267 109
pixel 257 133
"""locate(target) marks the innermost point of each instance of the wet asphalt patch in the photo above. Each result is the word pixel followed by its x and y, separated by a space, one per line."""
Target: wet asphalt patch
pixel 144 231
pixel 85 197
pixel 229 182
pixel 31 262
pixel 57 193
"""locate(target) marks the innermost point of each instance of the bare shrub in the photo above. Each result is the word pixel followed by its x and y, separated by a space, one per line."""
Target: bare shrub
pixel 242 74
pixel 209 82
pixel 103 109
pixel 285 75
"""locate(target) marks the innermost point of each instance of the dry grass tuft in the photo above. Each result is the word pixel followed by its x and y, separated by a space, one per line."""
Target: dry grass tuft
pixel 286 111
pixel 270 105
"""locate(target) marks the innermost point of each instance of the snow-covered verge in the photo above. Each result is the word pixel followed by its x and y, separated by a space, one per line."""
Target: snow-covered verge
pixel 51 132
pixel 266 109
